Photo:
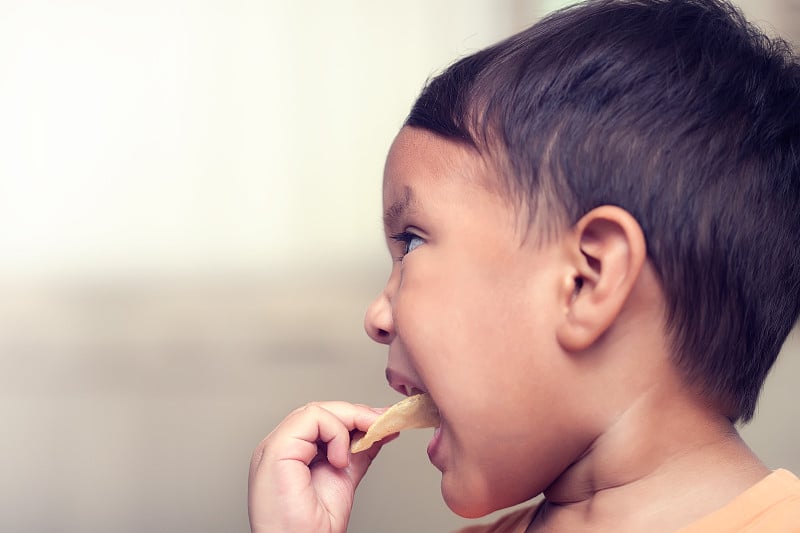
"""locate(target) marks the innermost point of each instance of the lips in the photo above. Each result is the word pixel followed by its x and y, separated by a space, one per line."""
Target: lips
pixel 407 387
pixel 403 384
pixel 434 447
pixel 407 390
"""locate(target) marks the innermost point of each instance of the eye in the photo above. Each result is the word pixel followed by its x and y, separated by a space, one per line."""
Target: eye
pixel 410 241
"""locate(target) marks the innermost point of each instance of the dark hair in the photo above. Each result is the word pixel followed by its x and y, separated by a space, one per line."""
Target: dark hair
pixel 686 116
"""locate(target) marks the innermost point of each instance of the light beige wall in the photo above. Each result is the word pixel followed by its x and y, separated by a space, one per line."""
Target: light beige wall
pixel 778 17
pixel 204 135
pixel 189 226
pixel 190 231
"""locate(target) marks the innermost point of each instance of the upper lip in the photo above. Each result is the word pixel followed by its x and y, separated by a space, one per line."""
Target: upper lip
pixel 402 384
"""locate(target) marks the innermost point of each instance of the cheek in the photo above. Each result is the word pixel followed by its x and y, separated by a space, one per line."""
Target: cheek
pixel 466 333
pixel 424 304
pixel 448 297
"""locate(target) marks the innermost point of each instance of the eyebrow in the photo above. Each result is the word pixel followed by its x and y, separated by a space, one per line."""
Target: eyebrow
pixel 394 213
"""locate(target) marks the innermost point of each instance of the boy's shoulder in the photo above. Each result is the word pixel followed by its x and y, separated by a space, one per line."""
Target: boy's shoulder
pixel 772 504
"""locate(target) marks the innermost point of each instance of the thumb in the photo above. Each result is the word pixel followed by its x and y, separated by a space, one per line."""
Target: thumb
pixel 360 462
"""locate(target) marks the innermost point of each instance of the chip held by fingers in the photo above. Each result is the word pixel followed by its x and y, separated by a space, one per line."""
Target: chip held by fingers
pixel 416 411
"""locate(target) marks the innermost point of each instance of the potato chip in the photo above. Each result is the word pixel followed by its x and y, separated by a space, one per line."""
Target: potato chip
pixel 416 411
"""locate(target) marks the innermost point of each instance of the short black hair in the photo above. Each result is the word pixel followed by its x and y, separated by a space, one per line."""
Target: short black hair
pixel 686 116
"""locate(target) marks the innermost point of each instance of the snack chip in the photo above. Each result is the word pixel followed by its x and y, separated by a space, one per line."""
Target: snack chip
pixel 416 411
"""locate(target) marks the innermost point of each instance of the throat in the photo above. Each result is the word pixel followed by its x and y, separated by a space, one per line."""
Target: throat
pixel 654 468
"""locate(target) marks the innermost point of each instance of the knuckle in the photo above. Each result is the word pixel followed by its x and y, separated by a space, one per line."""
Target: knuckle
pixel 258 455
pixel 310 407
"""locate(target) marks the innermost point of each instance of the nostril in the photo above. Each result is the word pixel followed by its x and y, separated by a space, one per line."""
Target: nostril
pixel 378 322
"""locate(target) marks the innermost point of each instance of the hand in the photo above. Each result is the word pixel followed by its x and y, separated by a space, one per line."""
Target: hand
pixel 303 476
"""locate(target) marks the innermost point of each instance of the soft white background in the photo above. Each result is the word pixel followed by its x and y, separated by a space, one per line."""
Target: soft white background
pixel 190 233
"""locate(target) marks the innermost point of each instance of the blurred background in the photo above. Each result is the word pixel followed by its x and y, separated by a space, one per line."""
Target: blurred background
pixel 190 234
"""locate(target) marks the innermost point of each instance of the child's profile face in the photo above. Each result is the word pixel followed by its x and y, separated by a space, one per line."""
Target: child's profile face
pixel 469 314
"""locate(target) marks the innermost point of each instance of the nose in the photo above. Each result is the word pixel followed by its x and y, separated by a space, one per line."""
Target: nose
pixel 378 321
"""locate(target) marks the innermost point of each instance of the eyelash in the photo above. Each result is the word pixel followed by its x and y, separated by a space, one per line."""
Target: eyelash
pixel 405 237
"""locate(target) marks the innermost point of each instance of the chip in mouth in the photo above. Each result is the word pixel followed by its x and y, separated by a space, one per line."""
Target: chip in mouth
pixel 416 411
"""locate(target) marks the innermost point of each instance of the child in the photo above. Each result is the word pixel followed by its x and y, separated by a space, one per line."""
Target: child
pixel 595 227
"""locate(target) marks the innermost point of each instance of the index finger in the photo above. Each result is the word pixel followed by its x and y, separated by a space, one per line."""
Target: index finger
pixel 296 437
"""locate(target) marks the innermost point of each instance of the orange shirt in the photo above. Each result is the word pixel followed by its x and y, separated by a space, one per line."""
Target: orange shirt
pixel 771 505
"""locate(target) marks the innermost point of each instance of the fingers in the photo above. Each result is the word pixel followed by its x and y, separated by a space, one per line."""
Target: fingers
pixel 369 454
pixel 302 477
pixel 303 474
pixel 298 436
pixel 354 418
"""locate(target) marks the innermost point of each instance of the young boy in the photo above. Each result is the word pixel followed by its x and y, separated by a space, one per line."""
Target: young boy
pixel 595 227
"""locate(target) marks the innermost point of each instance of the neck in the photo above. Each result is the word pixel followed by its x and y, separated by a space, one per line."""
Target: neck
pixel 669 457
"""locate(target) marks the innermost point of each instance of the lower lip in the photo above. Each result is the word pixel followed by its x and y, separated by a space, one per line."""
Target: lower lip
pixel 433 446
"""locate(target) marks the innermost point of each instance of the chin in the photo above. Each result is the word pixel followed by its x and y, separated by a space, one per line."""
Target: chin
pixel 466 510
pixel 467 503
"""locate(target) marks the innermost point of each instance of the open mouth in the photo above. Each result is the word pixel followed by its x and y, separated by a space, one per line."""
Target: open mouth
pixel 416 411
pixel 407 390
pixel 402 384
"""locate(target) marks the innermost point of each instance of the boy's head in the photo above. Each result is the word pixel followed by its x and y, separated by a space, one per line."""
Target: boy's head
pixel 683 115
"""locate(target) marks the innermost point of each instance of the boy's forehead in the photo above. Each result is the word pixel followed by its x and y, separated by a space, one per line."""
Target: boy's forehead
pixel 427 173
pixel 417 156
pixel 406 149
pixel 404 165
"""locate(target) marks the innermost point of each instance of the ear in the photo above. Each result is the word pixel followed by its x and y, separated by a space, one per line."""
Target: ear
pixel 606 250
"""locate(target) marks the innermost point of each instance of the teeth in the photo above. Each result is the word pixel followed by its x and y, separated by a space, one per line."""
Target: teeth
pixel 408 390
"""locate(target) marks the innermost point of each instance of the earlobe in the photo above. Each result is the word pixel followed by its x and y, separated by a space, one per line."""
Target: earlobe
pixel 605 250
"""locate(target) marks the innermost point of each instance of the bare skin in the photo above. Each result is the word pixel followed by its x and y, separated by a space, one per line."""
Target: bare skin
pixel 651 471
pixel 587 407
pixel 298 485
pixel 665 457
